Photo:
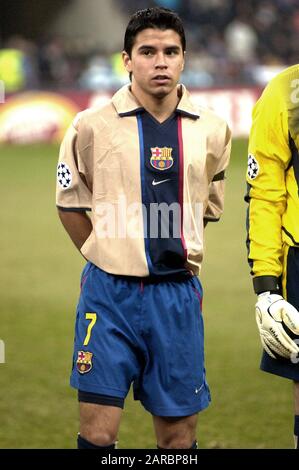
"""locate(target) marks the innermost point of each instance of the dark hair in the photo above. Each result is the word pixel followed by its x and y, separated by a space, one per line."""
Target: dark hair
pixel 157 17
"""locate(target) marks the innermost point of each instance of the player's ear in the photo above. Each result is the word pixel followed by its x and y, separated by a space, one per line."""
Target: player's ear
pixel 183 63
pixel 127 61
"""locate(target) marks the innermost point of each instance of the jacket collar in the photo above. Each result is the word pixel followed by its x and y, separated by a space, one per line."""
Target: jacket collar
pixel 126 104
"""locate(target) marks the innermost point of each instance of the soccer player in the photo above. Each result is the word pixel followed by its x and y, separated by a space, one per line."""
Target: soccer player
pixel 273 228
pixel 150 167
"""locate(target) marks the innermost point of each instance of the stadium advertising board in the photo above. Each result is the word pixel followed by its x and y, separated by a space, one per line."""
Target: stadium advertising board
pixel 35 117
pixel 44 117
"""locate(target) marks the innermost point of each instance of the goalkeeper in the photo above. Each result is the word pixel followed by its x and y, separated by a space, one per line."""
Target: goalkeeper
pixel 273 226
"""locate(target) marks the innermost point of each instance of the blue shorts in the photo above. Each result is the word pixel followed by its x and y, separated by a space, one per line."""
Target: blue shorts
pixel 280 366
pixel 145 333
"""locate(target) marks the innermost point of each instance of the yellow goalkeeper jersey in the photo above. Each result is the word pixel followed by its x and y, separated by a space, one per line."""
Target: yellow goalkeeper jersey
pixel 273 178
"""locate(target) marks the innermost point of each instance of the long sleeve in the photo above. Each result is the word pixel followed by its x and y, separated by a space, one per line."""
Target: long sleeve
pixel 72 189
pixel 269 157
pixel 216 188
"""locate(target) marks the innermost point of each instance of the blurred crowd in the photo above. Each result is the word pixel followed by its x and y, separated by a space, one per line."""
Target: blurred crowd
pixel 229 43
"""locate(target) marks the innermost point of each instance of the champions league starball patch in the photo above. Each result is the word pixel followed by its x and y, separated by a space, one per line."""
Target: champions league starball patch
pixel 64 175
pixel 253 167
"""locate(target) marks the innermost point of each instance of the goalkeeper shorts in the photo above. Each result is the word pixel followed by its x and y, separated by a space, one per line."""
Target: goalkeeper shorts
pixel 149 334
pixel 281 366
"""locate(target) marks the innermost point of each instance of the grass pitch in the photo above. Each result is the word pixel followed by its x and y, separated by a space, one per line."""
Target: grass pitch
pixel 39 275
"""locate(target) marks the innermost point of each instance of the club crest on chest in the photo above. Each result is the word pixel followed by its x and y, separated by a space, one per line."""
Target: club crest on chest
pixel 161 158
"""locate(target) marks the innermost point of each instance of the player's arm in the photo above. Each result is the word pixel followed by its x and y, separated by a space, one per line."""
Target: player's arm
pixel 268 159
pixel 216 199
pixel 269 155
pixel 222 148
pixel 77 224
pixel 73 190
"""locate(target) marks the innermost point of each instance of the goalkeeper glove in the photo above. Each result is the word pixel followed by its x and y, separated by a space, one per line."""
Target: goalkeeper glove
pixel 273 314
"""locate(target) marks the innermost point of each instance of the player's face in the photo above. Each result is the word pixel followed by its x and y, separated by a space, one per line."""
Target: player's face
pixel 156 62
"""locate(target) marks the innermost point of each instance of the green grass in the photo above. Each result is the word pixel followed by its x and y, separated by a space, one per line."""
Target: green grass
pixel 39 275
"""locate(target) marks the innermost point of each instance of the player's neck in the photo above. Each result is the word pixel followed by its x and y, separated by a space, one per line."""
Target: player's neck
pixel 159 107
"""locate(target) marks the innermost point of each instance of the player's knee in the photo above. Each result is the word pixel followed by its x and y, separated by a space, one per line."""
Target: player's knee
pixel 99 437
pixel 176 441
pixel 176 444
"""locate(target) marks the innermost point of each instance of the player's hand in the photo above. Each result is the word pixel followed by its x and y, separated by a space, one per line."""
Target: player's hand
pixel 273 313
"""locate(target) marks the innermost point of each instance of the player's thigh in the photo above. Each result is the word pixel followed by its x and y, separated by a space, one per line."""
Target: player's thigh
pixel 170 429
pixel 99 423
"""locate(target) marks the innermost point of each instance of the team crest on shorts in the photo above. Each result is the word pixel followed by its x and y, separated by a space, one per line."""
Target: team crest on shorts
pixel 253 167
pixel 64 175
pixel 84 363
pixel 161 158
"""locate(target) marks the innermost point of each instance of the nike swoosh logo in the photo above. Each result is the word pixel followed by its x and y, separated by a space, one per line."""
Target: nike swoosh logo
pixel 154 183
pixel 197 390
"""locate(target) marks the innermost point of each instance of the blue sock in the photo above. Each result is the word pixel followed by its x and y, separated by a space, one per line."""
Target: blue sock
pixel 84 444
